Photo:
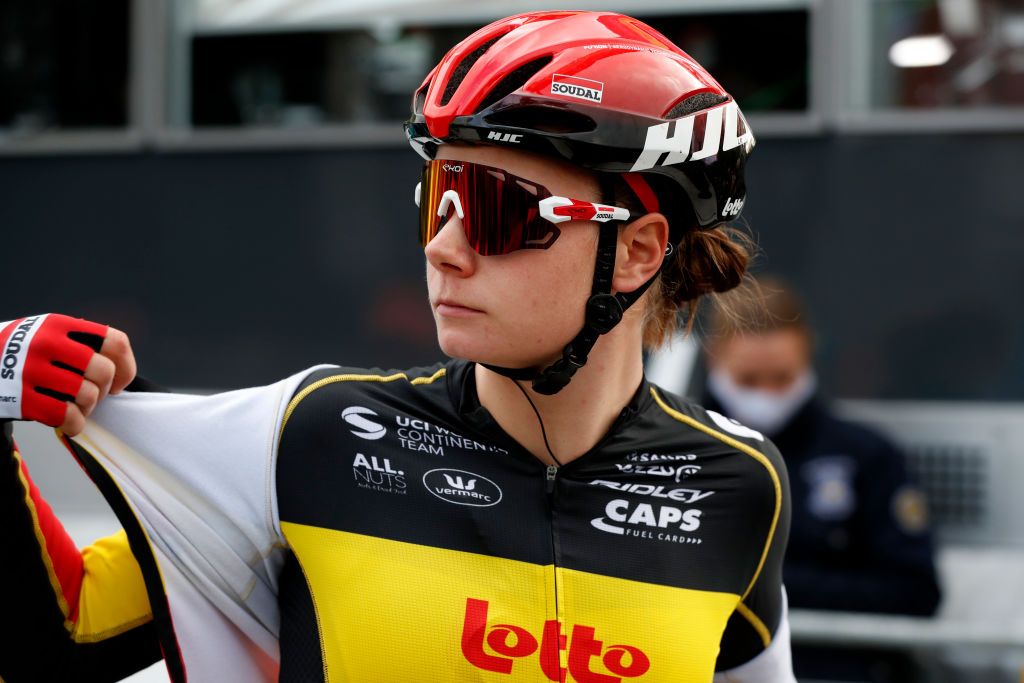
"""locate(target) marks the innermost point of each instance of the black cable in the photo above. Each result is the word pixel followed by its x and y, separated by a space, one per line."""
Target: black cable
pixel 540 420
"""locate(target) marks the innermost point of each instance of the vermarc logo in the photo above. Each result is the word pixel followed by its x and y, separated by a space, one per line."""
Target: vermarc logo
pixel 462 487
pixel 363 427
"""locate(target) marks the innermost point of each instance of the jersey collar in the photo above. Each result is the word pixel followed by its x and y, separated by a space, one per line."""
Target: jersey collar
pixel 462 391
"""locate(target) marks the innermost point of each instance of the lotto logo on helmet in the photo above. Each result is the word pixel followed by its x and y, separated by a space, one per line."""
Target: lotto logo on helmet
pixel 733 206
pixel 580 88
pixel 497 648
pixel 363 427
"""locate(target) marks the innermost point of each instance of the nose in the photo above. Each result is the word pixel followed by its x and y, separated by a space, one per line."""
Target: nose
pixel 450 251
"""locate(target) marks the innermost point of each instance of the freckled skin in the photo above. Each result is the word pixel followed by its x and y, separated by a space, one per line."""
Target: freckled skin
pixel 530 299
pixel 519 310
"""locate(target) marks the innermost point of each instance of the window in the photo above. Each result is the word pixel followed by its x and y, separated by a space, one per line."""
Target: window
pixel 63 65
pixel 932 54
pixel 345 75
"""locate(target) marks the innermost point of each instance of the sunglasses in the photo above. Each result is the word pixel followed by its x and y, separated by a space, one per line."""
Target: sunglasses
pixel 500 212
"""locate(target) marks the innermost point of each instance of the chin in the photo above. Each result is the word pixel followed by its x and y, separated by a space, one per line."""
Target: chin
pixel 458 344
pixel 477 348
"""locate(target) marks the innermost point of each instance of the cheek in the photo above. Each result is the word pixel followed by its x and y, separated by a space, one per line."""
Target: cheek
pixel 531 305
pixel 554 290
pixel 535 302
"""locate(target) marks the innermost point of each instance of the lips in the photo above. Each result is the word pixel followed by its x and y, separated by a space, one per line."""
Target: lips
pixel 454 309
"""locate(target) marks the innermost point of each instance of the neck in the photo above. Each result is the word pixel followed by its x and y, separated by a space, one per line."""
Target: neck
pixel 578 416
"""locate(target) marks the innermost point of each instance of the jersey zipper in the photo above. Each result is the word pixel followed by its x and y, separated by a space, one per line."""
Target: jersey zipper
pixel 551 479
pixel 551 473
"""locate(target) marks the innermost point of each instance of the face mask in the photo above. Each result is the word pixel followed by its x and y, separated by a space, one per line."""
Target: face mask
pixel 765 411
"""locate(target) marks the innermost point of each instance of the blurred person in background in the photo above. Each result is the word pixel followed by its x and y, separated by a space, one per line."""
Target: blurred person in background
pixel 860 540
pixel 532 508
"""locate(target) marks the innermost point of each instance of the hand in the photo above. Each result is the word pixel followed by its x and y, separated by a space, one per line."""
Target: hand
pixel 55 369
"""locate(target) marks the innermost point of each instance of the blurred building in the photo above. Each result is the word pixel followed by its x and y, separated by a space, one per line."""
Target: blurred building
pixel 228 181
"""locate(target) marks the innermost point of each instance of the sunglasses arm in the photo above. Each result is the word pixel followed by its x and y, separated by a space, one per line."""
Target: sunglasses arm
pixel 561 209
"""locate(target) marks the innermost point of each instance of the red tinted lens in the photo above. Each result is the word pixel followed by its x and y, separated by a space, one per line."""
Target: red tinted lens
pixel 500 211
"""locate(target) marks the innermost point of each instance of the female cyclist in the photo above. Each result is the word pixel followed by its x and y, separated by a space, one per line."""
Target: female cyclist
pixel 531 510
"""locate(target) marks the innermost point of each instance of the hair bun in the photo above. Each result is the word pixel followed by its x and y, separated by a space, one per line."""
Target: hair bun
pixel 711 261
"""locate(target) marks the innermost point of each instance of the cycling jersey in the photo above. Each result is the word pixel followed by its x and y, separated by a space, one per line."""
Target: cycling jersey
pixel 345 525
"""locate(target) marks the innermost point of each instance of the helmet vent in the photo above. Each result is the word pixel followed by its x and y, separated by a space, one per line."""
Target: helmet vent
pixel 463 68
pixel 513 81
pixel 543 119
pixel 420 98
pixel 694 103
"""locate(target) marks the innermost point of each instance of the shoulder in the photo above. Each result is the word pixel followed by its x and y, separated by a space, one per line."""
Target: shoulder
pixel 321 376
pixel 325 382
pixel 739 473
pixel 738 462
pixel 696 423
pixel 361 393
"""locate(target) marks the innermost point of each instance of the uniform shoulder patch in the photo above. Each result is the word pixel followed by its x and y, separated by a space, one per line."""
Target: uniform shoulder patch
pixel 910 509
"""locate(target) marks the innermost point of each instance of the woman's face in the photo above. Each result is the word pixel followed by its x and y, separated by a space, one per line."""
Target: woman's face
pixel 769 361
pixel 518 309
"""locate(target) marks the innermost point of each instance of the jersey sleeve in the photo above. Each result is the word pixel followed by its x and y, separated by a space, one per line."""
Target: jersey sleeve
pixel 191 479
pixel 756 645
pixel 68 614
pixel 772 664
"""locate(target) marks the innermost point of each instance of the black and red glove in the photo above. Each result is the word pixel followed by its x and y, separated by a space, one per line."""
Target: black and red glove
pixel 43 359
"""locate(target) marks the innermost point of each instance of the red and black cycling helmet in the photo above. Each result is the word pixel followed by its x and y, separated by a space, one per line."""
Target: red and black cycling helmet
pixel 607 93
pixel 601 90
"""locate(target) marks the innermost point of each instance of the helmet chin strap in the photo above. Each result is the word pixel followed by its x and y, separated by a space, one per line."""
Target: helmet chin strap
pixel 604 311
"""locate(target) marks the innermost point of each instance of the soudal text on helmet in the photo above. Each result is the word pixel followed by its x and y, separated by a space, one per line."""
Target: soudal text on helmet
pixel 580 88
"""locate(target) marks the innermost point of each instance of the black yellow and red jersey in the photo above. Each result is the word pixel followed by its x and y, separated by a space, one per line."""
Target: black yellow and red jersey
pixel 346 525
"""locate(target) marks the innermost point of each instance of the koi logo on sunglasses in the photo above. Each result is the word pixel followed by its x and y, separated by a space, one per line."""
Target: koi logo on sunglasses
pixel 454 168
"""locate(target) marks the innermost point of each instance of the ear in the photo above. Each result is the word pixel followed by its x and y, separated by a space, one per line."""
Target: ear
pixel 641 250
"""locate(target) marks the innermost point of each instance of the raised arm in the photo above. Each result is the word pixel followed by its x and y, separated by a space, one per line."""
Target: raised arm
pixel 70 615
pixel 55 369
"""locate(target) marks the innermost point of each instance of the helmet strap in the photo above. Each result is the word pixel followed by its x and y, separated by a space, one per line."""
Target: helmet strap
pixel 604 311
